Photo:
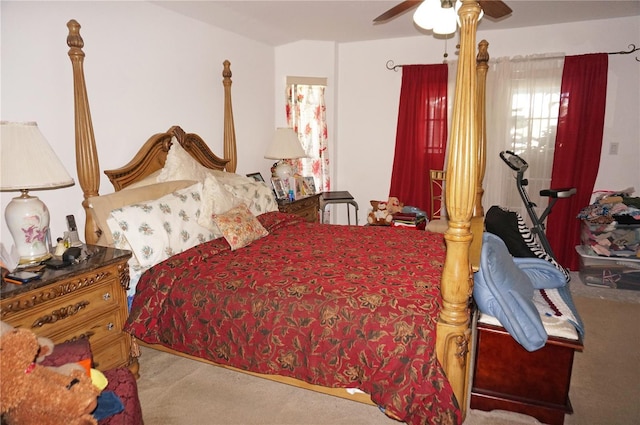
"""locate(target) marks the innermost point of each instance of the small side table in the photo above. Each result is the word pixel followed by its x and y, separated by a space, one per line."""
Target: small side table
pixel 338 197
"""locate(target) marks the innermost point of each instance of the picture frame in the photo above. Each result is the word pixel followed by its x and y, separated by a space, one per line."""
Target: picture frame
pixel 298 191
pixel 256 176
pixel 309 185
pixel 278 188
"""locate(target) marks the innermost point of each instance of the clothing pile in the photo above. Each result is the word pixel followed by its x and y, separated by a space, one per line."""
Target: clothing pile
pixel 611 225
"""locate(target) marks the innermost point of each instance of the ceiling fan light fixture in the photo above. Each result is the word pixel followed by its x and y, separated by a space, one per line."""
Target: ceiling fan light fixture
pixel 446 22
pixel 426 15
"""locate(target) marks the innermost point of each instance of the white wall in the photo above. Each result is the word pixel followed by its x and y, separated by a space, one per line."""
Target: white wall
pixel 146 70
pixel 369 97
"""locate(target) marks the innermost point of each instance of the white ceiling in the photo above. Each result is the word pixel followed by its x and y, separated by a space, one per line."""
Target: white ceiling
pixel 281 22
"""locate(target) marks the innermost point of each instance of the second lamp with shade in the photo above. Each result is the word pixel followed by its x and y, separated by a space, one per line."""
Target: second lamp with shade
pixel 285 145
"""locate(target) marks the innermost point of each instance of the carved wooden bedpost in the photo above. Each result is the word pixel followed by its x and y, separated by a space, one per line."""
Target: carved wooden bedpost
pixel 86 154
pixel 453 328
pixel 230 152
pixel 477 222
pixel 482 65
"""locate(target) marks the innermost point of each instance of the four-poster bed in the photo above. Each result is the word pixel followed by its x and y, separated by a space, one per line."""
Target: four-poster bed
pixel 465 170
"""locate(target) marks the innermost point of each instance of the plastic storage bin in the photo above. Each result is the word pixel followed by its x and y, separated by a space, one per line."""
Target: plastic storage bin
pixel 610 272
pixel 612 239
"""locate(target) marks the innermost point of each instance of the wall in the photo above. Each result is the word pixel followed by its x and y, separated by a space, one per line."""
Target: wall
pixel 146 70
pixel 369 97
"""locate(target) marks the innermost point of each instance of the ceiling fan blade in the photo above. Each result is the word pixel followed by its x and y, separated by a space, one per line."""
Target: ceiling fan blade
pixel 397 10
pixel 495 8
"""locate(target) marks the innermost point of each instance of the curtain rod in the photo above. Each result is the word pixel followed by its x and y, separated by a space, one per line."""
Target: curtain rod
pixel 632 48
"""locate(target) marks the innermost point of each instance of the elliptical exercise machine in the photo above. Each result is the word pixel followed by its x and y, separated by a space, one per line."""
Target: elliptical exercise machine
pixel 519 165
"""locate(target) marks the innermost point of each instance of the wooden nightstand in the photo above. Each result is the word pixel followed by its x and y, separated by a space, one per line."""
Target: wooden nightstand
pixel 306 208
pixel 86 300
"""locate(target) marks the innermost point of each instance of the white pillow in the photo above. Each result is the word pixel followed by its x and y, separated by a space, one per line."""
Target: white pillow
pixel 179 165
pixel 215 200
pixel 158 229
pixel 256 195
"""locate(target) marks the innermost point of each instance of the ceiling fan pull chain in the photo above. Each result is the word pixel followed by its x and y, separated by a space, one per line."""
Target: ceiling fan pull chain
pixel 446 55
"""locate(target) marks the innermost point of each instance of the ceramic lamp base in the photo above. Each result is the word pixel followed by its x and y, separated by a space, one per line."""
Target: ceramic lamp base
pixel 284 171
pixel 28 221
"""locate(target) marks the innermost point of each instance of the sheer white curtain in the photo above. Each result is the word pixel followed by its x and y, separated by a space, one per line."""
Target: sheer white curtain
pixel 523 98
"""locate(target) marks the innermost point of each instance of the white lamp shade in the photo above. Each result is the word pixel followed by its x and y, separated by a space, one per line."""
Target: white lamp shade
pixel 28 162
pixel 285 145
pixel 27 159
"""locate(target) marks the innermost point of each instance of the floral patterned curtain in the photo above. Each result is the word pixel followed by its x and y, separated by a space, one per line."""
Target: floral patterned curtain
pixel 306 114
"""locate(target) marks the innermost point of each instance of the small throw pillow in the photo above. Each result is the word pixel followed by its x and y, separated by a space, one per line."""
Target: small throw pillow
pixel 239 227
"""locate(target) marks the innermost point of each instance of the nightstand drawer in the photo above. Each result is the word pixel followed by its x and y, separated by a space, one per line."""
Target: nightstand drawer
pixel 110 352
pixel 77 307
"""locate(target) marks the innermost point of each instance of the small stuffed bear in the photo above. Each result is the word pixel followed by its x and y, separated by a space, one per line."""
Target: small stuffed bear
pixel 394 205
pixel 382 213
pixel 33 394
pixel 379 216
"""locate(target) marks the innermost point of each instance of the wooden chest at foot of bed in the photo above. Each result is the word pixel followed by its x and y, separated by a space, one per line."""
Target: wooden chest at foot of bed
pixel 508 377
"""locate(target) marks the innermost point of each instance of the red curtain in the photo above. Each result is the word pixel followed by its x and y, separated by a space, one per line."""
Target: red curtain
pixel 421 135
pixel 577 149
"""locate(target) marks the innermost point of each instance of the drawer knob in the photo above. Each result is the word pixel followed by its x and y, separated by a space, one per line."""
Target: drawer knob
pixel 106 296
pixel 110 326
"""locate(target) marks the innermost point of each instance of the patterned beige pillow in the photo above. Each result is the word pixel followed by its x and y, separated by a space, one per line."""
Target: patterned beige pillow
pixel 163 227
pixel 101 206
pixel 239 227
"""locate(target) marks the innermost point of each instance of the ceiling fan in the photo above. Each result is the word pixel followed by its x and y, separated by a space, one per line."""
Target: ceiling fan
pixel 492 8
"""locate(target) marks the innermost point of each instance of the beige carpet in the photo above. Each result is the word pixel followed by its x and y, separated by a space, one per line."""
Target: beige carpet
pixel 605 386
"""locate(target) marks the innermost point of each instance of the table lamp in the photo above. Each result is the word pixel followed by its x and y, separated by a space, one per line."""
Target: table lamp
pixel 28 163
pixel 285 145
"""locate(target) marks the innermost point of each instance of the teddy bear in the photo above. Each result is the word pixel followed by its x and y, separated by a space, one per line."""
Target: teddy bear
pixel 382 213
pixel 46 347
pixel 379 215
pixel 33 394
pixel 394 205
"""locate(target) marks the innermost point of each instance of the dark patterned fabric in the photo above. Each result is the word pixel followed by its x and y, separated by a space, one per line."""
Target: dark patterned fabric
pixel 337 306
pixel 123 384
pixel 68 352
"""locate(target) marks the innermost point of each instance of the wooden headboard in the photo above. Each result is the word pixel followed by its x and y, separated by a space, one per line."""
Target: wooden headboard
pixel 151 157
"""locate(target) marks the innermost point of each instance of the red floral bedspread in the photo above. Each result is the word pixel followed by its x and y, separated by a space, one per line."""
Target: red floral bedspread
pixel 337 306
